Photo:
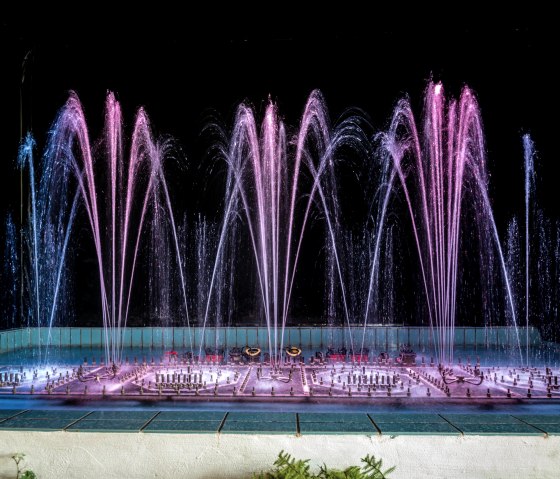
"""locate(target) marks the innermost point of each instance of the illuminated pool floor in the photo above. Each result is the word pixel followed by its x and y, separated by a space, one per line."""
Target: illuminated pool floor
pixel 179 379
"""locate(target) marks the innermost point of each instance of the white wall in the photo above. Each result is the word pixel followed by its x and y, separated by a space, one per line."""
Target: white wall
pixel 142 455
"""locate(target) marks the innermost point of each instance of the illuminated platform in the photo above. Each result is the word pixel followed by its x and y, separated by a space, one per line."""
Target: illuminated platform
pixel 329 381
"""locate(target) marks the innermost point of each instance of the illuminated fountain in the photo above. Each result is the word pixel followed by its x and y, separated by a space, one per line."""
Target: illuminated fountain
pixel 72 179
pixel 275 185
pixel 447 168
pixel 265 186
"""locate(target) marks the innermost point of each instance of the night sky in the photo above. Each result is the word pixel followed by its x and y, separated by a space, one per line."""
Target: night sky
pixel 184 68
pixel 180 76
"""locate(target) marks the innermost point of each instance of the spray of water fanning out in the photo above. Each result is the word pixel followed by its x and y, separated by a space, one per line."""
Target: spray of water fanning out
pixel 276 184
pixel 116 211
pixel 438 169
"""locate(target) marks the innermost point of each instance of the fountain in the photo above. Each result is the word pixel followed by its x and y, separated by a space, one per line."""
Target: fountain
pixel 447 164
pixel 116 230
pixel 264 185
pixel 280 189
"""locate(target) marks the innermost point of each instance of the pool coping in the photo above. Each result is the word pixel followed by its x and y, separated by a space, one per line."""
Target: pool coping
pixel 285 423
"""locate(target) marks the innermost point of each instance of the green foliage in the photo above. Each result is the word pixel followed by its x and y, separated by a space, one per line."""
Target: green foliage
pixel 21 474
pixel 287 467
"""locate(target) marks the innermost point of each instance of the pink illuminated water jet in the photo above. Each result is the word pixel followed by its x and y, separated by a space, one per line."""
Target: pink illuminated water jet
pixel 116 215
pixel 447 163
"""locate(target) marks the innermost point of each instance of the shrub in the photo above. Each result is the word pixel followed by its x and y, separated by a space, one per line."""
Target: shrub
pixel 287 467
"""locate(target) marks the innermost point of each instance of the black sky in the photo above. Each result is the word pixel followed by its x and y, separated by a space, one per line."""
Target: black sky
pixel 180 68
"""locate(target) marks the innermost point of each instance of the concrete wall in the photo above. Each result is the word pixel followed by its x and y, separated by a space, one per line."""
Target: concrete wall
pixel 376 337
pixel 140 455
